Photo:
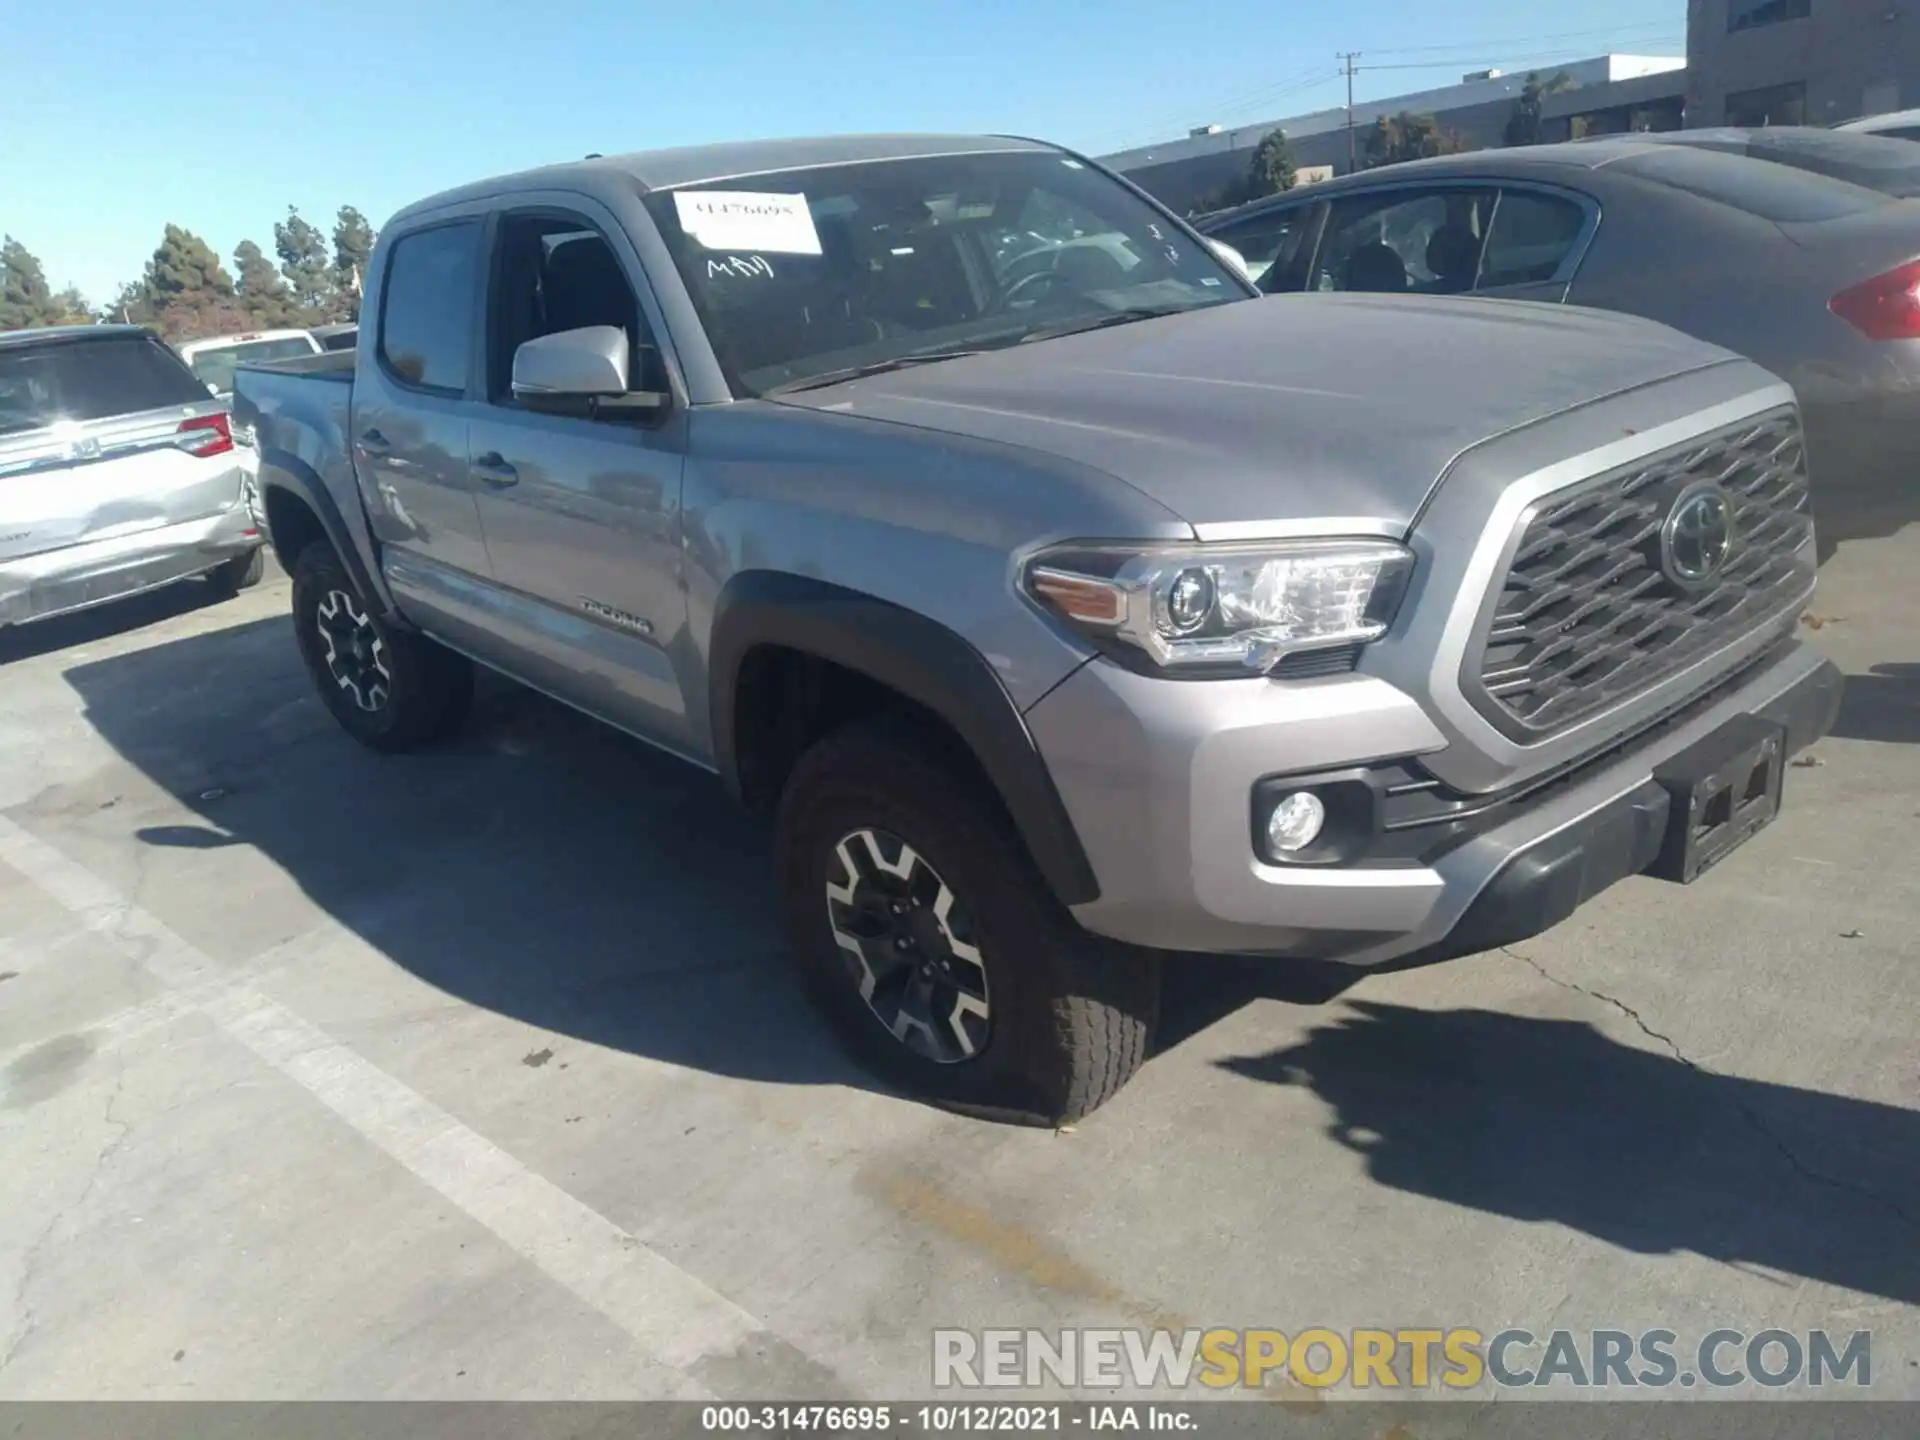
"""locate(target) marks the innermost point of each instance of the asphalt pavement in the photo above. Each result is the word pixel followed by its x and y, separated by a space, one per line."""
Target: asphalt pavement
pixel 481 1073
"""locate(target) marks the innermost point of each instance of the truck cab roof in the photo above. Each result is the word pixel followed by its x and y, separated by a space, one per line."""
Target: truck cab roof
pixel 647 170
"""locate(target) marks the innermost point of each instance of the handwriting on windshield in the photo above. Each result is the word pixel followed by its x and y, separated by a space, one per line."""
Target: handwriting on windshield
pixel 744 267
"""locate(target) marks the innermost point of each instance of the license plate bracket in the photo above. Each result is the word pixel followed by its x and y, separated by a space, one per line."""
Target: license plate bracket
pixel 1724 788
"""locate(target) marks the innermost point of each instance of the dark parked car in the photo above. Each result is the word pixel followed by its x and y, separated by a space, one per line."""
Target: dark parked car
pixel 1794 247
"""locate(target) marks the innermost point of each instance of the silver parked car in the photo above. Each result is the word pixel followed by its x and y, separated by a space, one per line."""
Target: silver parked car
pixel 118 473
pixel 1796 247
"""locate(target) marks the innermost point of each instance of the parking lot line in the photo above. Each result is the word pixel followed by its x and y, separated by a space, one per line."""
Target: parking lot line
pixel 709 1344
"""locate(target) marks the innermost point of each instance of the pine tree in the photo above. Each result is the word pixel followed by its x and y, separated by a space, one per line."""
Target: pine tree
pixel 303 260
pixel 25 298
pixel 1272 170
pixel 188 291
pixel 262 293
pixel 352 244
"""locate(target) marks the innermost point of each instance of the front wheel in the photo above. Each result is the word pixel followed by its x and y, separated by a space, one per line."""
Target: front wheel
pixel 389 688
pixel 934 945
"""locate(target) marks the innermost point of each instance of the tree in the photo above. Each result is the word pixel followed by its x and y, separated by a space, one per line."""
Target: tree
pixel 131 306
pixel 303 260
pixel 1272 169
pixel 1408 137
pixel 70 308
pixel 352 244
pixel 1523 126
pixel 187 290
pixel 262 293
pixel 26 299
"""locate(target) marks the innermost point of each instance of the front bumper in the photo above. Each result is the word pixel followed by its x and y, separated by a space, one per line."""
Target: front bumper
pixel 1157 777
pixel 94 572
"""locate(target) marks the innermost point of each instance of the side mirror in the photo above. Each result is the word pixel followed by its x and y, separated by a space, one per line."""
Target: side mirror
pixel 580 370
pixel 1234 260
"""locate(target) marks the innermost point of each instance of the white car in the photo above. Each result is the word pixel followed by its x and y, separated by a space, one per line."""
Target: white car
pixel 1897 124
pixel 213 359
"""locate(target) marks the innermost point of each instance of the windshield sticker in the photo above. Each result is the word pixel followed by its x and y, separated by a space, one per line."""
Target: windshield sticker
pixel 746 267
pixel 747 220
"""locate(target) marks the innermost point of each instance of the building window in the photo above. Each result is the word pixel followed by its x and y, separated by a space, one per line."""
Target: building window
pixel 1774 105
pixel 1751 14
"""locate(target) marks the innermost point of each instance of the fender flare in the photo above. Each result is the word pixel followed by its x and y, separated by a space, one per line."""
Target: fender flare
pixel 917 657
pixel 282 470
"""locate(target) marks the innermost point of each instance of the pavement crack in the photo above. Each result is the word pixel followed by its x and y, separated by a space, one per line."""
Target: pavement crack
pixel 36 1251
pixel 1605 999
pixel 1755 1120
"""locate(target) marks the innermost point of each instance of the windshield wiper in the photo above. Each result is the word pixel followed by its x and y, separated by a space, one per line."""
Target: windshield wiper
pixel 1101 322
pixel 872 367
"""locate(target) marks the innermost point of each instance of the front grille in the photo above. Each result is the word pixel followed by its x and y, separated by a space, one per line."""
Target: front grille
pixel 1587 613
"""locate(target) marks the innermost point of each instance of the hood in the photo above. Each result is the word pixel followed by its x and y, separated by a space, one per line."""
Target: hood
pixel 1295 407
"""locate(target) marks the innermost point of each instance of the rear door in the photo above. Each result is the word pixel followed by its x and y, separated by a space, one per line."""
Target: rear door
pixel 104 436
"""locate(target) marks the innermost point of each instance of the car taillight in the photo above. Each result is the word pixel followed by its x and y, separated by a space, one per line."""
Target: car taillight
pixel 1887 307
pixel 206 435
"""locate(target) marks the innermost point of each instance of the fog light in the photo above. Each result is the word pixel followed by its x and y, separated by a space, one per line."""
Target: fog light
pixel 1294 823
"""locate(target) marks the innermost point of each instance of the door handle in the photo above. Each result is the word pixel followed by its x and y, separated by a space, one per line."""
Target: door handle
pixel 374 443
pixel 492 469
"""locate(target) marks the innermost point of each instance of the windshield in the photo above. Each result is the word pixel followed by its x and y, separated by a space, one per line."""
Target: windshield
pixel 215 366
pixel 804 274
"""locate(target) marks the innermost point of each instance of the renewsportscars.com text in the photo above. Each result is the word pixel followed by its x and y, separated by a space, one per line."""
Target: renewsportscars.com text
pixel 1460 1358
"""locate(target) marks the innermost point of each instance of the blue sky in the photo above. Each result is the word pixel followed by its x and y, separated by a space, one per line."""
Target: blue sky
pixel 130 115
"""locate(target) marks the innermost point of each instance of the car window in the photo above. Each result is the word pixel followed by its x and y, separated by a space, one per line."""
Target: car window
pixel 1267 242
pixel 215 366
pixel 555 273
pixel 41 384
pixel 1901 132
pixel 426 320
pixel 1531 237
pixel 1426 241
pixel 1773 192
pixel 802 276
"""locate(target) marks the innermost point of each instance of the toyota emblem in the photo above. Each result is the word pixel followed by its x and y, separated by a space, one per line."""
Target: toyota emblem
pixel 1698 537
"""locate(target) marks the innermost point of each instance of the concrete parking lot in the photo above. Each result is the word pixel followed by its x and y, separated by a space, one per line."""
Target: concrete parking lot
pixel 481 1073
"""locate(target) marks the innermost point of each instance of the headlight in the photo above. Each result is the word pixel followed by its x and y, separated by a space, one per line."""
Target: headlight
pixel 1240 608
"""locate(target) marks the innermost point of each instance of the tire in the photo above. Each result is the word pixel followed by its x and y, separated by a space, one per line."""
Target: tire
pixel 243 572
pixel 1069 1015
pixel 402 691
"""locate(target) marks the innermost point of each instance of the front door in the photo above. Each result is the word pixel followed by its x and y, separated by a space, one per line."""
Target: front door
pixel 581 516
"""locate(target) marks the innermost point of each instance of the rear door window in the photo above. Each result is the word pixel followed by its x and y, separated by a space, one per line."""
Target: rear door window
pixel 1425 241
pixel 1531 238
pixel 427 314
pixel 91 380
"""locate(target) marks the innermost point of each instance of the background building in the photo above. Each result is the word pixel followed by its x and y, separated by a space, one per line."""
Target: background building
pixel 1606 94
pixel 1794 62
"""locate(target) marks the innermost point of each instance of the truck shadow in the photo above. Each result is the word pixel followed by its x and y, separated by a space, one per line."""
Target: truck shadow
pixel 1882 705
pixel 543 866
pixel 1549 1120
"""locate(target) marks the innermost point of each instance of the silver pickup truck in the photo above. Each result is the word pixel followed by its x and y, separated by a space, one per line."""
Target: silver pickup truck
pixel 1073 609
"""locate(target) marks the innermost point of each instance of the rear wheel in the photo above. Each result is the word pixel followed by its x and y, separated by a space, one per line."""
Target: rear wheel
pixel 242 572
pixel 389 688
pixel 931 941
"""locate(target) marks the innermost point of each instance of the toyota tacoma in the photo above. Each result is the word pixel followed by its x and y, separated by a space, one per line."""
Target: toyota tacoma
pixel 1073 610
